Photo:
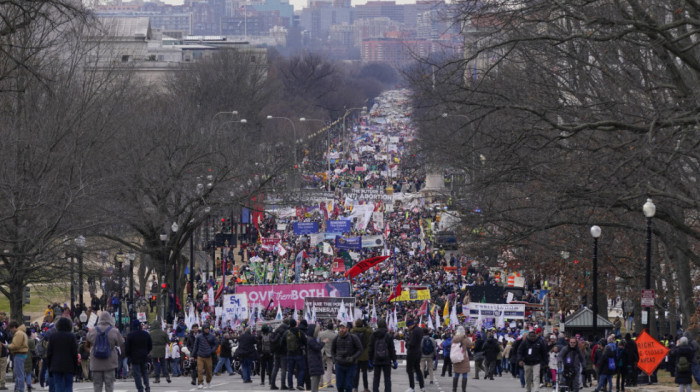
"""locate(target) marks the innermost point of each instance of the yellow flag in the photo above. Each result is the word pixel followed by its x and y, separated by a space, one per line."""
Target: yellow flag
pixel 446 313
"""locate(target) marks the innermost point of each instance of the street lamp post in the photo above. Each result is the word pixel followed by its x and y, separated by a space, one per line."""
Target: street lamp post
pixel 649 210
pixel 164 293
pixel 120 259
pixel 132 311
pixel 595 232
pixel 328 140
pixel 348 111
pixel 174 227
pixel 80 243
pixel 72 283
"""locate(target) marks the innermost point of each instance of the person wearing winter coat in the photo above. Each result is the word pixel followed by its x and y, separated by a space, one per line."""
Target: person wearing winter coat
pixel 62 355
pixel 314 356
pixel 363 333
pixel 103 369
pixel 428 352
pixel 328 335
pixel 136 348
pixel 247 353
pixel 461 368
pixel 204 349
pixel 383 359
pixel 224 356
pixel 684 377
pixel 173 354
pixel 190 339
pixel 571 359
pixel 346 348
pixel 695 366
pixel 19 348
pixel 413 354
pixel 160 340
pixel 605 370
pixel 532 355
pixel 491 350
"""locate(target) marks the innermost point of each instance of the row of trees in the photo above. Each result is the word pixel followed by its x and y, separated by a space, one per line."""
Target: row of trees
pixel 99 153
pixel 567 115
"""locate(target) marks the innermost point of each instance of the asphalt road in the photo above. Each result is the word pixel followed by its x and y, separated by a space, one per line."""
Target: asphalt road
pixel 399 384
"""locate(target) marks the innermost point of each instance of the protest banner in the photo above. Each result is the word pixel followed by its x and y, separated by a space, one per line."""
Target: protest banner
pixel 289 295
pixel 235 306
pixel 411 294
pixel 301 228
pixel 327 307
pixel 508 311
pixel 351 243
pixel 338 226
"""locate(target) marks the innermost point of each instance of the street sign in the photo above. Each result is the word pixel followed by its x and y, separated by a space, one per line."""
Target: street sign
pixel 651 353
pixel 647 298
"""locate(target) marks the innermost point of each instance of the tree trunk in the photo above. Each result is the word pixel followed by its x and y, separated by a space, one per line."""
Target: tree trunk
pixel 677 248
pixel 16 289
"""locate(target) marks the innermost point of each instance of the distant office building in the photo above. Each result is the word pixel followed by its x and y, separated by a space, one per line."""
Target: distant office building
pixel 375 9
pixel 396 52
pixel 317 20
pixel 371 28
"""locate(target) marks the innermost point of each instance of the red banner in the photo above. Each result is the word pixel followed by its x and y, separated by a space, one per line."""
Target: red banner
pixel 364 265
pixel 339 265
pixel 269 243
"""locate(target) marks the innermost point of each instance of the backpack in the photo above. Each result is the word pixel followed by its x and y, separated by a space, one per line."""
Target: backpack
pixel 456 353
pixel 292 342
pixel 381 350
pixel 362 337
pixel 427 347
pixel 611 363
pixel 40 350
pixel 276 342
pixel 446 347
pixel 683 365
pixel 102 348
pixel 266 343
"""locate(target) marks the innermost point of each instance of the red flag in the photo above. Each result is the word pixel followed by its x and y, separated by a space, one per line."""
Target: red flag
pixel 423 308
pixel 397 293
pixel 364 265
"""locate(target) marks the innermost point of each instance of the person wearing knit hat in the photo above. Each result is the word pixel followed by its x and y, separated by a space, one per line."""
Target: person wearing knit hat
pixel 683 357
pixel 103 369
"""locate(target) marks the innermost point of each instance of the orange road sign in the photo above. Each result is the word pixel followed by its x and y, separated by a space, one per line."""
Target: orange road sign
pixel 651 353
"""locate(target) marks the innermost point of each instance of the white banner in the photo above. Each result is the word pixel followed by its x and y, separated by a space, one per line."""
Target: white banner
pixel 236 306
pixel 508 311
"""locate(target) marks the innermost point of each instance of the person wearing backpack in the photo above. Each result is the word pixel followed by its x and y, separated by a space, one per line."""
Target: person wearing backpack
pixel 225 355
pixel 428 352
pixel 459 357
pixel 363 333
pixel 103 341
pixel 683 356
pixel 695 366
pixel 607 367
pixel 346 348
pixel 160 340
pixel 382 356
pixel 491 350
pixel 329 335
pixel 265 353
pixel 414 342
pixel 279 351
pixel 295 360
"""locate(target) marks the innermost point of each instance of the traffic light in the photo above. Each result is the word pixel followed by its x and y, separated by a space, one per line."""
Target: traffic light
pixel 164 288
pixel 26 293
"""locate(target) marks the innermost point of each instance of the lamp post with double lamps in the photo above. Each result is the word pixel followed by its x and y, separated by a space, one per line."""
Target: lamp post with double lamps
pixel 328 141
pixel 595 233
pixel 649 210
pixel 80 245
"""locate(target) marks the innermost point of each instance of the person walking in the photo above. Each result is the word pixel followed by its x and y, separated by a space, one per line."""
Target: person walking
pixel 314 356
pixel 363 333
pixel 104 365
pixel 160 340
pixel 62 356
pixel 136 348
pixel 446 345
pixel 532 355
pixel 204 348
pixel 382 356
pixel 225 355
pixel 478 352
pixel 189 344
pixel 607 366
pixel 174 355
pixel 460 342
pixel 264 345
pixel 572 360
pixel 413 355
pixel 428 353
pixel 328 335
pixel 346 349
pixel 247 354
pixel 491 350
pixel 683 357
pixel 19 348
